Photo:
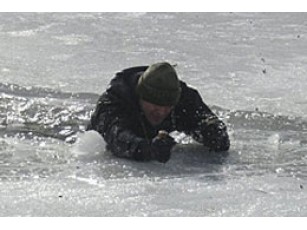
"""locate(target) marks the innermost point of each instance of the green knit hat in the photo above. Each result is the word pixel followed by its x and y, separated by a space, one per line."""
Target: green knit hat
pixel 159 85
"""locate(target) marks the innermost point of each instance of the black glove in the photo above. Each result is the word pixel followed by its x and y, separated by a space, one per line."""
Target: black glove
pixel 161 147
pixel 215 136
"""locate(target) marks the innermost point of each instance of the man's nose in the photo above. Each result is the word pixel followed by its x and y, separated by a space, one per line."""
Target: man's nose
pixel 162 111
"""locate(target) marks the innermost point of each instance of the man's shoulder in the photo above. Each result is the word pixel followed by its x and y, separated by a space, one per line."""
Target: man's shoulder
pixel 123 84
pixel 133 70
pixel 127 76
pixel 189 95
pixel 187 87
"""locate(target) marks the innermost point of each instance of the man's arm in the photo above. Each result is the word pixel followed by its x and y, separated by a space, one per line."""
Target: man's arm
pixel 112 121
pixel 207 129
pixel 212 133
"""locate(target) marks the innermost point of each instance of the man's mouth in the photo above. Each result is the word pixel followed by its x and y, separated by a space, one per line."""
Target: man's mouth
pixel 155 118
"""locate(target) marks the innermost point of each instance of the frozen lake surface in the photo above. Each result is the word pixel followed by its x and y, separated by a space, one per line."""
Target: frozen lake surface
pixel 250 68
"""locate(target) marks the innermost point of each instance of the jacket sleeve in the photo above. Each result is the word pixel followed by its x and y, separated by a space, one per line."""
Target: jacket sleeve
pixel 112 120
pixel 207 128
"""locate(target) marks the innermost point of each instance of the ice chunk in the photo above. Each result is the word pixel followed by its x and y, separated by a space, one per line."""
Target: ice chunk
pixel 89 142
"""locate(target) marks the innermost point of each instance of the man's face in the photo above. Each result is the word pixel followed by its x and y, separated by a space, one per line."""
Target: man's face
pixel 155 114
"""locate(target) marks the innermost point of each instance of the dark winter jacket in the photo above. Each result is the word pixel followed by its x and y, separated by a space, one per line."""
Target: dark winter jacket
pixel 120 121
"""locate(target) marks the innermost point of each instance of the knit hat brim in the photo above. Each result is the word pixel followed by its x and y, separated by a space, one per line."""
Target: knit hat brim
pixel 159 85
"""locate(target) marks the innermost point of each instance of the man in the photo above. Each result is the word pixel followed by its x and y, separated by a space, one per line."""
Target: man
pixel 143 104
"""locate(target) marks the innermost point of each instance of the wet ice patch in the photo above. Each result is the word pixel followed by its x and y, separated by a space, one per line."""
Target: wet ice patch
pixel 274 140
pixel 24 33
pixel 90 181
pixel 61 57
pixel 73 39
pixel 5 70
pixel 31 159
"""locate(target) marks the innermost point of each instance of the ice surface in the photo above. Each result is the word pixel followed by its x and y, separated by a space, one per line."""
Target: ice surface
pixel 250 68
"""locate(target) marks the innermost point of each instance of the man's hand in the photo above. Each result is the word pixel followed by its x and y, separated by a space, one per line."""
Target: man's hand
pixel 161 146
pixel 216 137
